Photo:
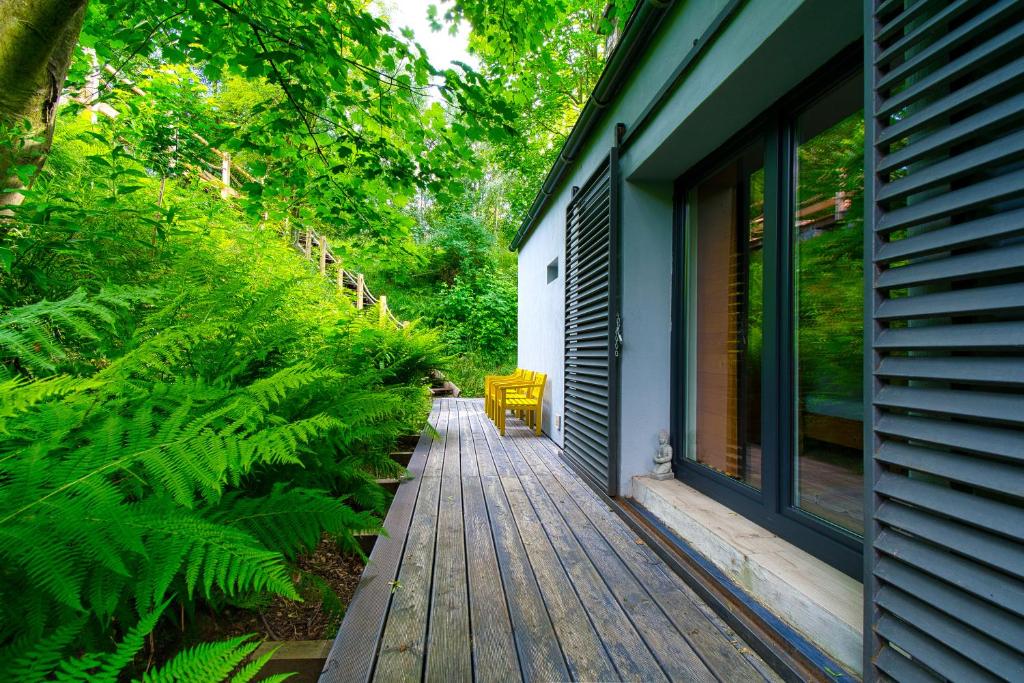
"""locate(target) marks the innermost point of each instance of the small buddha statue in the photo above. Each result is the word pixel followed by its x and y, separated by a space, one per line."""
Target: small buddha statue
pixel 663 458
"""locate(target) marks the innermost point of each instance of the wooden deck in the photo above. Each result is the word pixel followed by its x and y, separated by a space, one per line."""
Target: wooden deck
pixel 502 565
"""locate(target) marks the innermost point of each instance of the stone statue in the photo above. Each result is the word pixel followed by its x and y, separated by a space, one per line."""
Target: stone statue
pixel 663 458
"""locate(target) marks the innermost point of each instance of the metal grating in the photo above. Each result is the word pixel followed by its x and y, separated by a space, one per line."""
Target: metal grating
pixel 947 162
pixel 590 320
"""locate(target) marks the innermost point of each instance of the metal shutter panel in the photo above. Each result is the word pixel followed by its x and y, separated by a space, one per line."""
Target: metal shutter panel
pixel 591 273
pixel 946 157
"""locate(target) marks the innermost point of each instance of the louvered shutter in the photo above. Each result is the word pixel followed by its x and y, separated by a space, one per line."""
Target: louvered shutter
pixel 591 295
pixel 947 153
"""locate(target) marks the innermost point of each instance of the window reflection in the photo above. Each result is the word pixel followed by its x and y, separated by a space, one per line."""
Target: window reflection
pixel 828 311
pixel 726 237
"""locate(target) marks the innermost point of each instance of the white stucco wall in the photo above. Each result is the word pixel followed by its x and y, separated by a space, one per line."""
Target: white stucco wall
pixel 542 314
pixel 764 52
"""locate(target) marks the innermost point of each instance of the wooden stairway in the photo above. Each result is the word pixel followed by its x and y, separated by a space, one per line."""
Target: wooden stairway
pixel 308 242
pixel 305 241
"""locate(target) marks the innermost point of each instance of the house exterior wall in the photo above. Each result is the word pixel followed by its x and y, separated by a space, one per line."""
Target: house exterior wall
pixel 770 46
pixel 542 314
pixel 759 55
pixel 645 383
pixel 755 60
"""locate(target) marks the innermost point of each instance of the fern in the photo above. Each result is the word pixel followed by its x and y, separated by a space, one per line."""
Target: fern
pixel 292 519
pixel 214 662
pixel 36 661
pixel 36 335
pixel 108 666
pixel 18 395
pixel 190 450
pixel 211 662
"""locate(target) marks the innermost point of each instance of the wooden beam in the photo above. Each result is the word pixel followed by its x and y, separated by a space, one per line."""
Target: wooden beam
pixel 341 277
pixel 323 255
pixel 360 292
pixel 308 246
pixel 383 304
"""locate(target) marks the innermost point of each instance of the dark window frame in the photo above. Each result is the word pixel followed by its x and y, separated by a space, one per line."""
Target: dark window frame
pixel 771 506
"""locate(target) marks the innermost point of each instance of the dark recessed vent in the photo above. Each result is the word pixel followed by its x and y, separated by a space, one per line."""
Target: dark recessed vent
pixel 553 271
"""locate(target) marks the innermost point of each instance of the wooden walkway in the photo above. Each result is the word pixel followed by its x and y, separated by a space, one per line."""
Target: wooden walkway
pixel 502 565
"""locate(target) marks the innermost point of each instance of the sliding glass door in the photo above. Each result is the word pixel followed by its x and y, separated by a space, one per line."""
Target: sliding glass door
pixel 769 308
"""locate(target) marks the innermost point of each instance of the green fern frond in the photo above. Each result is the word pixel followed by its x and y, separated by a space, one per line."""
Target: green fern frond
pixel 207 662
pixel 208 555
pixel 281 444
pixel 162 353
pixel 270 391
pixel 36 335
pixel 290 520
pixel 18 395
pixel 38 660
pixel 249 671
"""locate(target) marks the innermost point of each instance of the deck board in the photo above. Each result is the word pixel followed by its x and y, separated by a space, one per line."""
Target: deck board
pixel 448 648
pixel 364 619
pixel 494 646
pixel 510 568
pixel 403 645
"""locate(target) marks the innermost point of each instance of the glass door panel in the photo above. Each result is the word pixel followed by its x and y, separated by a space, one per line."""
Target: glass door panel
pixel 725 235
pixel 828 300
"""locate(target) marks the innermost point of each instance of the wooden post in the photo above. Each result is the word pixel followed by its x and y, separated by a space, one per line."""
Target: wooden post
pixel 225 175
pixel 341 277
pixel 360 291
pixel 383 303
pixel 308 246
pixel 323 255
pixel 92 84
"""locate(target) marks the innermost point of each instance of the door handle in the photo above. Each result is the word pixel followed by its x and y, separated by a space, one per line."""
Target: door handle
pixel 618 336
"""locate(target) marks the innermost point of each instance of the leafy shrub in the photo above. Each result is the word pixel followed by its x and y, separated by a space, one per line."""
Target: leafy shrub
pixel 461 246
pixel 478 314
pixel 175 427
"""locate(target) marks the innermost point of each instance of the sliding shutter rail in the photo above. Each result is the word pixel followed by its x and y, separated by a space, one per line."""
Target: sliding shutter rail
pixel 945 566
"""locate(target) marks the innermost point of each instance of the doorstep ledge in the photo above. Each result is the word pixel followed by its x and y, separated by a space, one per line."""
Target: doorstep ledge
pixel 820 602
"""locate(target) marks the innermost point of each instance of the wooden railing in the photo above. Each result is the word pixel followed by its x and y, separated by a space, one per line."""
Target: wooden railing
pixel 308 242
pixel 303 240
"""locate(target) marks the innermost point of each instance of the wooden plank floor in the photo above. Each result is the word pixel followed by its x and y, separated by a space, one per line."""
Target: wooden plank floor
pixel 500 564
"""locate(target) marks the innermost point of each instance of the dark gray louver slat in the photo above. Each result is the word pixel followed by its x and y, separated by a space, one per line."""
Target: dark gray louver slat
pixel 590 319
pixel 947 162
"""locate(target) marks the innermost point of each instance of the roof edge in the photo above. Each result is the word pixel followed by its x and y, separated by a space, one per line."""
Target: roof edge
pixel 642 23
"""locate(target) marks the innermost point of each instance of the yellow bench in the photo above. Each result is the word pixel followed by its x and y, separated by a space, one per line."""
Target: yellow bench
pixel 491 384
pixel 525 398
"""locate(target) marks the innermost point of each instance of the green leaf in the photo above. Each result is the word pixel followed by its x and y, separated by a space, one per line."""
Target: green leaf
pixel 6 258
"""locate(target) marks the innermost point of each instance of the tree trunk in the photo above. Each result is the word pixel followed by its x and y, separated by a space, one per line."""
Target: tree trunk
pixel 37 38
